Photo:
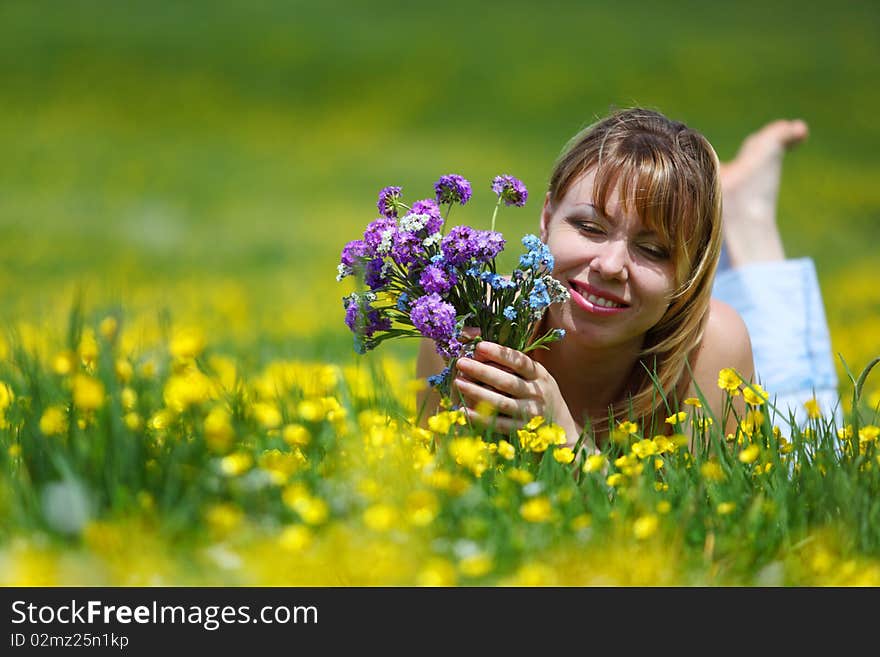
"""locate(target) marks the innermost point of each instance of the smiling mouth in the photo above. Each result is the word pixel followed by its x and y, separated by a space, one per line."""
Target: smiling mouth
pixel 596 299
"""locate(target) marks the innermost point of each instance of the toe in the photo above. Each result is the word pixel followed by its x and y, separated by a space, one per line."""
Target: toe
pixel 785 133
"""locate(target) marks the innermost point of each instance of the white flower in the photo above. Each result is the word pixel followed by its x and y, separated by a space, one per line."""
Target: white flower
pixel 414 222
pixel 385 245
pixel 432 239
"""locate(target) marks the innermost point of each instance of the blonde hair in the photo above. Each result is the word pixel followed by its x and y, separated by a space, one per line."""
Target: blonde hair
pixel 670 173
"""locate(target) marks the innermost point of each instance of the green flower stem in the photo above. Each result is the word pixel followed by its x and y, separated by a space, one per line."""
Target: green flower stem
pixel 495 213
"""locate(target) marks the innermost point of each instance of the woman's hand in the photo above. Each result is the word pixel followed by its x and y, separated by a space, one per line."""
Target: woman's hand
pixel 512 384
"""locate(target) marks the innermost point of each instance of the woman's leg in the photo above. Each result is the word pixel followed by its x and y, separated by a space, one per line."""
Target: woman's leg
pixel 750 189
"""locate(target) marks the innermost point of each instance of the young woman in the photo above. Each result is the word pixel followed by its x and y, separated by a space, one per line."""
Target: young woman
pixel 633 218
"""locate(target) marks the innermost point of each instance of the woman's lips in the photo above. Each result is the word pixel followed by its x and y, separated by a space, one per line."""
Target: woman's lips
pixel 580 293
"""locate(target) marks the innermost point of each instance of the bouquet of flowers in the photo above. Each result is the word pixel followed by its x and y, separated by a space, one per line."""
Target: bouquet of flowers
pixel 424 281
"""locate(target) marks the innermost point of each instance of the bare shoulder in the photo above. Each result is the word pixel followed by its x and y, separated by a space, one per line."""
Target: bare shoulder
pixel 725 343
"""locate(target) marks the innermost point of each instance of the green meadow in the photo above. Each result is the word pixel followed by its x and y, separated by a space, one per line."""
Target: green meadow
pixel 196 164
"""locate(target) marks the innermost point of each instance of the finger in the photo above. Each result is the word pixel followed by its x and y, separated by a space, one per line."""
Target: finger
pixel 493 376
pixel 517 361
pixel 475 394
pixel 497 423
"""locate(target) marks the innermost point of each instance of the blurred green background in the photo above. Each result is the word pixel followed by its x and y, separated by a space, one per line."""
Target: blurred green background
pixel 213 157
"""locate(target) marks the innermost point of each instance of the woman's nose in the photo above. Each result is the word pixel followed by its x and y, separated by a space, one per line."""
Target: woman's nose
pixel 610 262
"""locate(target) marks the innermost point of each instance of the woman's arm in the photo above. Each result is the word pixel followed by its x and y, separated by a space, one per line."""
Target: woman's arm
pixel 428 364
pixel 725 344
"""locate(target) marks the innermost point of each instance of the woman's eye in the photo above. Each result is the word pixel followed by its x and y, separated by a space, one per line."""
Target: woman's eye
pixel 654 251
pixel 593 229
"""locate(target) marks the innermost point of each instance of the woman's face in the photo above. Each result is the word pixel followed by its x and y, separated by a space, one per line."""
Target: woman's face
pixel 619 273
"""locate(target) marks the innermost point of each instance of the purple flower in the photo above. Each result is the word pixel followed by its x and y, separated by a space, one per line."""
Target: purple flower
pixel 354 252
pixel 435 279
pixel 489 243
pixel 434 318
pixel 459 246
pixel 452 188
pixel 407 249
pixel 387 204
pixel 429 207
pixel 374 274
pixel 379 235
pixel 362 319
pixel 510 190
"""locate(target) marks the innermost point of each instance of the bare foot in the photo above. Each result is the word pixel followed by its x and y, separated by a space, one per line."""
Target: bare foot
pixel 750 188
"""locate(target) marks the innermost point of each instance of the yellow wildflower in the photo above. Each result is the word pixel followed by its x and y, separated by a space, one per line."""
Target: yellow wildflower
pixel 470 453
pixel 380 517
pixel 725 508
pixel 218 429
pixel 729 380
pixel 128 397
pixel 267 414
pixel 712 471
pixel 63 363
pixel 161 419
pixel 645 526
pixel 223 518
pixel 749 454
pixel 108 328
pixel 133 421
pixel 664 444
pixel 53 421
pixel 475 565
pixel 681 416
pixel 537 509
pixel 187 342
pixel 755 395
pixel 615 480
pixel 563 454
pixel 296 435
pixel 295 538
pixel 845 433
pixel 644 448
pixel 236 463
pixel 520 476
pixel 422 507
pixel 534 423
pixel 444 421
pixel 186 389
pixel 506 450
pixel 663 507
pixel 437 572
pixel 628 427
pixel 312 510
pixel 88 348
pixel 280 465
pixel 693 401
pixel 88 392
pixel 594 463
pixel 868 434
pixel 812 406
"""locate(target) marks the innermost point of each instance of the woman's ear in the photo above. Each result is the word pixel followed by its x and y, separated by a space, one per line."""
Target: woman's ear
pixel 546 214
